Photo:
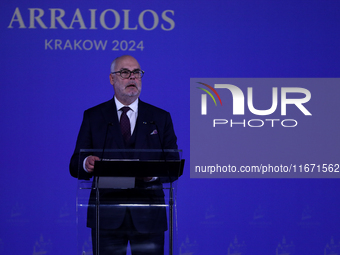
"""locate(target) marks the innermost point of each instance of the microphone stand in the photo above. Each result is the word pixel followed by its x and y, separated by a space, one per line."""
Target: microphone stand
pixel 97 192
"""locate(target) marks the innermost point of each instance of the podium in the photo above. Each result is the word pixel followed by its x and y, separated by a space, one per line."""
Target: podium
pixel 120 185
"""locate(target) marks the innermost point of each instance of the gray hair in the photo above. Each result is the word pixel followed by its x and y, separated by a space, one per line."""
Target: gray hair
pixel 112 68
pixel 113 64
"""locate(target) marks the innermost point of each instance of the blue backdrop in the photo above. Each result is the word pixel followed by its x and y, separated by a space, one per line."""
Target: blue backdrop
pixel 55 59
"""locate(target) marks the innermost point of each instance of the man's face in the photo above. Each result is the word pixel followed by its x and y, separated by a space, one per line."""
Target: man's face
pixel 126 90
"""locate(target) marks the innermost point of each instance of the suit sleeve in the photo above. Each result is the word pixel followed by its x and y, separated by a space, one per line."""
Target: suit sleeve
pixel 169 142
pixel 84 141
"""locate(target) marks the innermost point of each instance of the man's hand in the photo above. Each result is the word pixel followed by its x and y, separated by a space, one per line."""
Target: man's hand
pixel 89 164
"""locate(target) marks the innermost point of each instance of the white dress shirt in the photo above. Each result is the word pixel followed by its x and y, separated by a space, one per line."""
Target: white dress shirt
pixel 132 115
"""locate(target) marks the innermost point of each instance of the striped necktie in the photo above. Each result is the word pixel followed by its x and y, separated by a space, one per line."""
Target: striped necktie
pixel 125 124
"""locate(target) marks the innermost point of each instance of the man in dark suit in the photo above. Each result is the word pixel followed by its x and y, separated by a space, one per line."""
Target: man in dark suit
pixel 125 122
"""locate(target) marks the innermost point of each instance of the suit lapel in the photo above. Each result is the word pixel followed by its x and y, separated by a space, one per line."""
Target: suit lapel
pixel 114 138
pixel 142 126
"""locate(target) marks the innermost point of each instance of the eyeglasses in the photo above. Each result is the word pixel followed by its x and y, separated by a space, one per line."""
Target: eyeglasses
pixel 126 74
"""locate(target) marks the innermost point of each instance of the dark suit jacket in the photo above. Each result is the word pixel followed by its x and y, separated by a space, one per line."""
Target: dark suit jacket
pixel 92 136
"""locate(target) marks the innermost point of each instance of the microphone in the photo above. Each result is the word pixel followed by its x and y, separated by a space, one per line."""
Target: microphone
pixel 107 130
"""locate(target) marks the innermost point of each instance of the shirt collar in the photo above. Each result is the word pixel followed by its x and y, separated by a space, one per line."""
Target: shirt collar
pixel 133 106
